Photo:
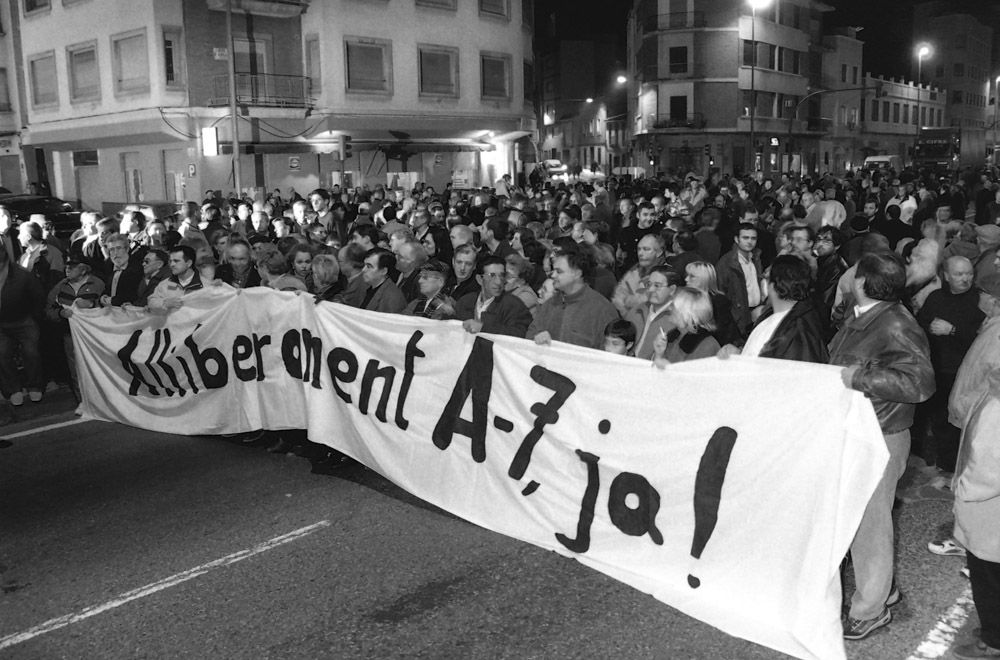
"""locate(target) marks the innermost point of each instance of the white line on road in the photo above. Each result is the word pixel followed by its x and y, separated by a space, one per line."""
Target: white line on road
pixel 43 429
pixel 942 635
pixel 166 583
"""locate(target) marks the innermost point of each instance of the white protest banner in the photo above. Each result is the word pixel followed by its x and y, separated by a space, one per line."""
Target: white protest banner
pixel 730 489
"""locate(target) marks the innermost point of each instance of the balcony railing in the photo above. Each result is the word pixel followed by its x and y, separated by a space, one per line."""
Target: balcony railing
pixel 265 89
pixel 695 121
pixel 674 21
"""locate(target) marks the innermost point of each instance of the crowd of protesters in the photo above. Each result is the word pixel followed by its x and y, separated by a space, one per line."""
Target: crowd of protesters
pixel 890 275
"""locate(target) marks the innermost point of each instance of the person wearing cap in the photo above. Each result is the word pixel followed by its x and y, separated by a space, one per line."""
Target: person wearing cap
pixel 492 309
pixel 79 289
pixel 987 274
pixel 431 301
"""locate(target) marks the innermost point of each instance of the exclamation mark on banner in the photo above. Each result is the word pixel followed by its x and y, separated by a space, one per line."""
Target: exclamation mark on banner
pixel 708 490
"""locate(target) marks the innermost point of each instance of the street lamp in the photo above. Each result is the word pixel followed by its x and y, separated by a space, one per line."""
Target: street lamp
pixel 923 51
pixel 754 6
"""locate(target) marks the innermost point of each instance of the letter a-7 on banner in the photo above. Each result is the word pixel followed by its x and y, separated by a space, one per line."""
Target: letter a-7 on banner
pixel 709 485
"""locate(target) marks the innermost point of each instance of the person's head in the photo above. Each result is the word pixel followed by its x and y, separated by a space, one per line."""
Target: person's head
pixel 320 200
pixel 519 270
pixel 828 239
pixel 420 219
pixel 789 278
pixel 132 222
pixel 325 270
pixel 117 247
pixel 351 259
pixel 273 265
pixel 808 199
pixel 619 337
pixel 280 228
pixel 259 222
pixel 399 237
pixel 568 216
pixel 378 263
pixel 181 261
pixel 650 250
pixel 661 284
pixel 206 268
pixel 155 232
pixel 153 261
pixel 437 244
pixel 880 276
pixel 431 280
pixel 701 275
pixel 76 268
pixel 646 215
pixel 461 235
pixel 746 238
pixel 492 276
pixel 243 211
pixel 29 233
pixel 495 229
pixel 238 255
pixel 959 274
pixel 105 228
pixel 570 269
pixel 464 262
pixel 685 241
pixel 803 238
pixel 691 310
pixel 410 256
pixel 300 260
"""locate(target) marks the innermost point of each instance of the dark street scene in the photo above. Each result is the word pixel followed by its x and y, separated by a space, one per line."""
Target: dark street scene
pixel 478 329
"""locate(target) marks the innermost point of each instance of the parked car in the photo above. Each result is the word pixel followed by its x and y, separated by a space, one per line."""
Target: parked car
pixel 554 167
pixel 64 217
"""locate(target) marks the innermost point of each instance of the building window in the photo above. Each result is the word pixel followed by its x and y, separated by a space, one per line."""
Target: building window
pixel 923 115
pixel 85 158
pixel 906 113
pixel 438 4
pixel 895 113
pixel 678 108
pixel 843 73
pixel 939 117
pixel 528 13
pixel 958 69
pixel 4 92
pixel 438 70
pixel 913 114
pixel 495 75
pixel 748 59
pixel 678 59
pixel 885 111
pixel 173 57
pixel 313 68
pixel 130 61
pixel 495 8
pixel 369 65
pixel 529 82
pixel 36 5
pixel 44 88
pixel 854 75
pixel 874 110
pixel 770 56
pixel 84 77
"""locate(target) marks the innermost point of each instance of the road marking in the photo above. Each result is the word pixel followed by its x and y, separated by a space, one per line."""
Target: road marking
pixel 42 429
pixel 166 583
pixel 939 640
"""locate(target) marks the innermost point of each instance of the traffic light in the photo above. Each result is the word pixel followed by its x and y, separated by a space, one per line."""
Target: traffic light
pixel 708 150
pixel 345 147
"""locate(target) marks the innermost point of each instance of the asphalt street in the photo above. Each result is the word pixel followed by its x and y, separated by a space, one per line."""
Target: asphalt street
pixel 95 514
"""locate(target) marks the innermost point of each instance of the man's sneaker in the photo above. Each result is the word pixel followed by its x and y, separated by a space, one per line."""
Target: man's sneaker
pixel 855 629
pixel 35 396
pixel 895 595
pixel 977 649
pixel 17 399
pixel 946 548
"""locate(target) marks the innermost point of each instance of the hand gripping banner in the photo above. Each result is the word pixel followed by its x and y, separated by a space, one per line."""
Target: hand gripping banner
pixel 730 490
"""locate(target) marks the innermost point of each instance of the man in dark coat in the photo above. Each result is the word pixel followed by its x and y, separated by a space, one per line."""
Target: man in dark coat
pixel 492 310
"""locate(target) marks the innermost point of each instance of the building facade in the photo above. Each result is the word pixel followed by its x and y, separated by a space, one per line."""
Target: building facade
pixel 13 176
pixel 134 103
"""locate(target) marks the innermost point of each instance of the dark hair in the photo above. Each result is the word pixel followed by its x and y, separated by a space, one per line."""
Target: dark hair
pixel 673 277
pixel 874 242
pixel 371 232
pixel 572 210
pixel 790 277
pixel 489 261
pixel 746 226
pixel 534 251
pixel 321 192
pixel 686 241
pixel 580 260
pixel 810 234
pixel 621 329
pixel 893 212
pixel 386 259
pixel 885 275
pixel 158 254
pixel 499 228
pixel 836 235
pixel 354 254
pixel 276 264
pixel 187 251
pixel 35 230
pixel 212 213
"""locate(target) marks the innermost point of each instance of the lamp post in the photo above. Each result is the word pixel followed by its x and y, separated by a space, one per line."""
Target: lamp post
pixel 996 102
pixel 923 50
pixel 754 6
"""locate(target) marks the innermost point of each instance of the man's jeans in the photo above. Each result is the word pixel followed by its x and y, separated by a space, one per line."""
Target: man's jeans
pixel 872 549
pixel 25 334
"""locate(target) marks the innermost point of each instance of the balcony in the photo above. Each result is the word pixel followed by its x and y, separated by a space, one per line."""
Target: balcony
pixel 265 90
pixel 269 8
pixel 675 21
pixel 688 122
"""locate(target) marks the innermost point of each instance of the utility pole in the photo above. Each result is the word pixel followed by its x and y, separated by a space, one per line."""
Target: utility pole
pixel 235 127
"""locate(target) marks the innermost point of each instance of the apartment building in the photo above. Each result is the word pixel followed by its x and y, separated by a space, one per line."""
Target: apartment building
pixel 132 102
pixel 12 173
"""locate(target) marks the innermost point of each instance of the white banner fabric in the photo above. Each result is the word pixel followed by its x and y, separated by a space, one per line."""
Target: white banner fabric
pixel 730 490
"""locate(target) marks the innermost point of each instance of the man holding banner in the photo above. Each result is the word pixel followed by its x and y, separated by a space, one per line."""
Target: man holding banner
pixel 886 356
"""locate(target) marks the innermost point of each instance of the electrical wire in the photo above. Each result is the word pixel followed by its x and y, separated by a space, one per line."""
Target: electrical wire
pixel 163 117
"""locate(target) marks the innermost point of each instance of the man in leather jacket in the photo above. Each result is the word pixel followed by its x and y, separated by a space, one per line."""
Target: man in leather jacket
pixel 885 354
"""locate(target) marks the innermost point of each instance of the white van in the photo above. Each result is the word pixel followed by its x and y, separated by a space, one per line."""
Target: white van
pixel 873 163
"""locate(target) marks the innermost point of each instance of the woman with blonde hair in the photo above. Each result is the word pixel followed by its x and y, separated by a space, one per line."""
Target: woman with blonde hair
pixel 701 275
pixel 691 312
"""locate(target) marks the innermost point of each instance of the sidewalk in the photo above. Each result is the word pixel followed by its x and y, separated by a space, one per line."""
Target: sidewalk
pixel 55 402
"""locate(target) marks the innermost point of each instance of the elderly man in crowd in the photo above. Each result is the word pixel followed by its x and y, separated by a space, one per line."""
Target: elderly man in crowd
pixel 886 356
pixel 652 317
pixel 493 309
pixel 630 290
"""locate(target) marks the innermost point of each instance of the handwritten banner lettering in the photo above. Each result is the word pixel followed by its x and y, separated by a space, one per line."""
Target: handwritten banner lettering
pixel 727 489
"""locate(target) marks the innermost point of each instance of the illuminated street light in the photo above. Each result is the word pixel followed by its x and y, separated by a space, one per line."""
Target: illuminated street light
pixel 754 6
pixel 621 79
pixel 923 52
